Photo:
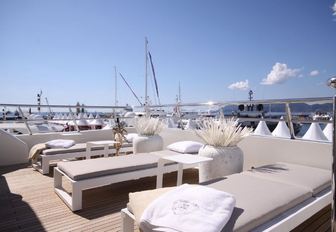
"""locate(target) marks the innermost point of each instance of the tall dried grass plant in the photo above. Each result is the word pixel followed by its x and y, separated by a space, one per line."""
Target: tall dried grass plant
pixel 222 132
pixel 148 126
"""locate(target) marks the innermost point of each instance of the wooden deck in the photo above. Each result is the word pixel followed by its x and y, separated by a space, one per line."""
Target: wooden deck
pixel 320 222
pixel 28 203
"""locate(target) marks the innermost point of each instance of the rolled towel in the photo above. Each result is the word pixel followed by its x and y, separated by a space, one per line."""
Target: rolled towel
pixel 189 208
pixel 60 143
pixel 36 150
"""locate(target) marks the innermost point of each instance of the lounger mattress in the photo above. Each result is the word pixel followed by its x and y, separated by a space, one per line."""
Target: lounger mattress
pixel 314 179
pixel 80 147
pixel 258 200
pixel 86 169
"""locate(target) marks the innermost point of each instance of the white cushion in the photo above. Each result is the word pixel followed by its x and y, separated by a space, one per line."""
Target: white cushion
pixel 129 137
pixel 185 147
pixel 60 143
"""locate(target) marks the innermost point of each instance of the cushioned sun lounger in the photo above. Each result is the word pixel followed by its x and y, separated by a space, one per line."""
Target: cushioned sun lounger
pixel 273 200
pixel 93 173
pixel 314 179
pixel 77 151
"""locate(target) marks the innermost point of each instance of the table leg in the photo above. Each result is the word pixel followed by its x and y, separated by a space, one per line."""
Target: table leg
pixel 179 174
pixel 88 151
pixel 106 146
pixel 159 177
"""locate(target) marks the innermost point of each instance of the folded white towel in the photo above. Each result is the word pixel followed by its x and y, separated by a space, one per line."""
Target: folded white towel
pixel 60 143
pixel 189 208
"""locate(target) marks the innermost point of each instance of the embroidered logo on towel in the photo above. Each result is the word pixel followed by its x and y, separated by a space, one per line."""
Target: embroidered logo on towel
pixel 181 207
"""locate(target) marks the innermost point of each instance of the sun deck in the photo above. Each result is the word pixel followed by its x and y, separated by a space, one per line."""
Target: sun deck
pixel 28 203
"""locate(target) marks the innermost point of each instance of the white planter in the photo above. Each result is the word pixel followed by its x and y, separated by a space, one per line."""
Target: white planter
pixel 226 161
pixel 143 144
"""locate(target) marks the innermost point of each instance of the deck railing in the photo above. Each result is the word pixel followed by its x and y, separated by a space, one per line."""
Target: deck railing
pixel 286 102
pixel 49 118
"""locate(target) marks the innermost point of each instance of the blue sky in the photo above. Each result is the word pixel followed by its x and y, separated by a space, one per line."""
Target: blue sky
pixel 217 50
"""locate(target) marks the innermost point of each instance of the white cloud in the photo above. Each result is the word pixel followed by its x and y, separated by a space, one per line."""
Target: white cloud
pixel 334 9
pixel 279 74
pixel 240 85
pixel 314 73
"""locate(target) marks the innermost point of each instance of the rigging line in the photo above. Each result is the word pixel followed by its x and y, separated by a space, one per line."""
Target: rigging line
pixel 154 76
pixel 153 90
pixel 152 86
pixel 130 88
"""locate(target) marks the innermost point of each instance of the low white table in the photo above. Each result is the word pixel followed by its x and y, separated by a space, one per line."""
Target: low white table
pixel 104 143
pixel 181 159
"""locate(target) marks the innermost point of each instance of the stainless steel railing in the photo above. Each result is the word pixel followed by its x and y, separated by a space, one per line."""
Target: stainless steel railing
pixel 316 100
pixel 286 102
pixel 26 120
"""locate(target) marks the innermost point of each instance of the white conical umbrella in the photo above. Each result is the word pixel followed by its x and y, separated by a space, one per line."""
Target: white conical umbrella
pixel 80 116
pixel 191 125
pixel 315 133
pixel 328 131
pixel 281 130
pixel 63 117
pixel 56 116
pixel 262 129
pixel 90 118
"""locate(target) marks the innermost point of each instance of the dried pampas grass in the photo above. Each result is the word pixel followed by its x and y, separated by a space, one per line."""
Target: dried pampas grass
pixel 222 132
pixel 148 126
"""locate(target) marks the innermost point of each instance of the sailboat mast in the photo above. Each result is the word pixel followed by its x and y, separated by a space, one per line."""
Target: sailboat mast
pixel 115 86
pixel 115 91
pixel 179 92
pixel 146 75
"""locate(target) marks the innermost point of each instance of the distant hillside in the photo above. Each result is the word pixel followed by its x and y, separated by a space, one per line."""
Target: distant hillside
pixel 298 107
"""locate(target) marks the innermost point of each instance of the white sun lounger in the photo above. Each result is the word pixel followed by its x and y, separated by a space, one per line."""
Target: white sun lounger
pixel 77 151
pixel 93 173
pixel 271 198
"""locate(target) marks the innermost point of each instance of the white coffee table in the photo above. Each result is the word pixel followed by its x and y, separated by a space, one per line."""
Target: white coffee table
pixel 181 160
pixel 103 143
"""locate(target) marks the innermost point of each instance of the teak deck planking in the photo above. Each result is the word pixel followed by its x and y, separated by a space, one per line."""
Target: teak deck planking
pixel 28 203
